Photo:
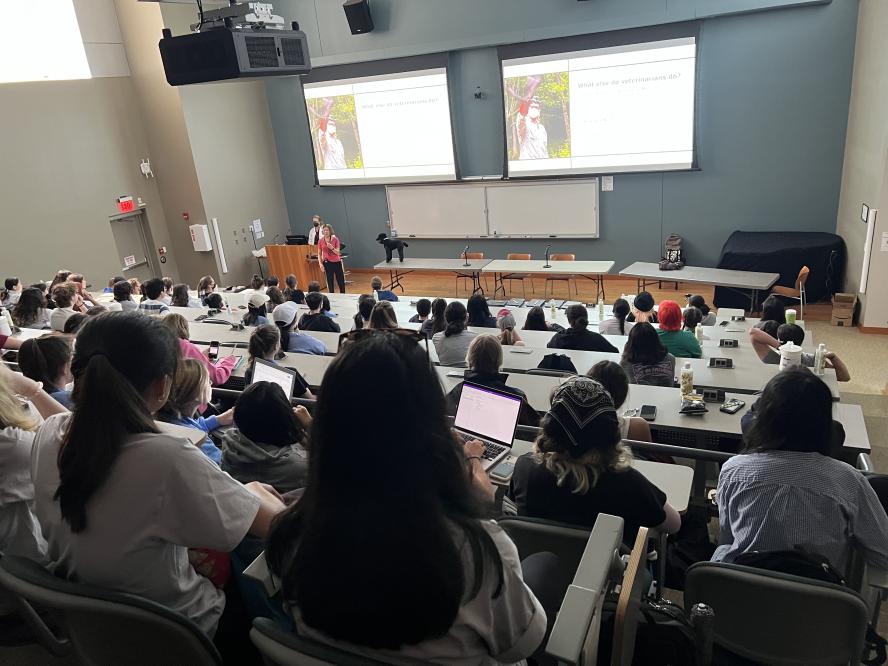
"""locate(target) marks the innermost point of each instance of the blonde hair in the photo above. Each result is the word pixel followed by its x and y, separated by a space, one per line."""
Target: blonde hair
pixel 485 354
pixel 177 324
pixel 579 474
pixel 188 382
pixel 11 413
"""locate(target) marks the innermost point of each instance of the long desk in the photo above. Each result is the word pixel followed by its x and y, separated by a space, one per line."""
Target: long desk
pixel 647 273
pixel 398 269
pixel 593 270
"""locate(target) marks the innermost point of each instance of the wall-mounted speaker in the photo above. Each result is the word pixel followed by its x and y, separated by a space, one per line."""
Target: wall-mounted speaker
pixel 358 14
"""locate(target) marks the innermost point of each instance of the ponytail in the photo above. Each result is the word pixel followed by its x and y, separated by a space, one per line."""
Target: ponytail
pixel 621 311
pixel 93 440
pixel 285 330
pixel 43 359
pixel 507 337
pixel 455 316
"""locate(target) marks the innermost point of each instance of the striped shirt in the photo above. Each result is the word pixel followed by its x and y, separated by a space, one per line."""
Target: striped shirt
pixel 153 307
pixel 782 499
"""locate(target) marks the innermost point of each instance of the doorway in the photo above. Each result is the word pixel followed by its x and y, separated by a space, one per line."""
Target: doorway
pixel 134 246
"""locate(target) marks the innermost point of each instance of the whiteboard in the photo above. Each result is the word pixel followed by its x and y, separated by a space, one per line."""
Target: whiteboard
pixel 543 208
pixel 537 209
pixel 438 211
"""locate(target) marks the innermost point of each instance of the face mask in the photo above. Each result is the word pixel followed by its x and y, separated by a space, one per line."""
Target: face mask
pixel 317 224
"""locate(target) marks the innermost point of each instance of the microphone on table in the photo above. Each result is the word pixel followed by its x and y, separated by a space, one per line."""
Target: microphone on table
pixel 466 255
pixel 548 247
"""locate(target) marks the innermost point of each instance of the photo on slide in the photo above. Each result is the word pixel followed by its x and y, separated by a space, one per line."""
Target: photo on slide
pixel 334 133
pixel 537 116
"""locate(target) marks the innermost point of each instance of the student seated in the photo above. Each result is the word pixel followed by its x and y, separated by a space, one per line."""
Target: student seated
pixel 215 302
pixel 507 326
pixel 785 492
pixel 536 321
pixel 614 380
pixel 136 287
pixel 22 404
pixel 205 286
pixel 291 339
pixel 479 313
pixel 275 297
pixel 315 319
pixel 119 501
pixel 257 283
pixel 109 289
pixel 767 348
pixel 31 310
pixel 268 441
pixel 73 323
pixel 82 288
pixel 219 371
pixel 257 312
pixel 167 296
pixel 617 324
pixel 452 344
pixel 435 581
pixel 709 318
pixel 436 323
pixel 190 391
pixel 578 336
pixel 643 309
pixel 265 343
pixel 12 290
pixel 579 467
pixel 423 310
pixel 292 291
pixel 484 360
pixel 380 293
pixel 691 317
pixel 182 298
pixel 773 310
pixel 365 307
pixel 645 359
pixel 67 302
pixel 123 300
pixel 681 344
pixel 48 359
pixel 383 316
pixel 152 290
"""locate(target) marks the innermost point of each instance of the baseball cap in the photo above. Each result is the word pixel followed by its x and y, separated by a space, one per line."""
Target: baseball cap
pixel 258 299
pixel 285 313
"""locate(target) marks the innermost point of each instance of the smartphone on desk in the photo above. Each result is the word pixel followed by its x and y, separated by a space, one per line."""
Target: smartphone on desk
pixel 503 471
pixel 213 352
pixel 648 412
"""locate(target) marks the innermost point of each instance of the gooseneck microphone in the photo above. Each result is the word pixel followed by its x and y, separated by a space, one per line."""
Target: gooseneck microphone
pixel 466 255
pixel 548 265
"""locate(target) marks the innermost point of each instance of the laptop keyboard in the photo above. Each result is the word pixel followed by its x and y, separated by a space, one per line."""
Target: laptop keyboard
pixel 491 450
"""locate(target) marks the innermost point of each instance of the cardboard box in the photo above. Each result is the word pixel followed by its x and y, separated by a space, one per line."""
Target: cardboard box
pixel 843 305
pixel 841 321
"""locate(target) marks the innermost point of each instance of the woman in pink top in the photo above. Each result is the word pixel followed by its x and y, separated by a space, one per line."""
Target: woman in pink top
pixel 219 372
pixel 330 259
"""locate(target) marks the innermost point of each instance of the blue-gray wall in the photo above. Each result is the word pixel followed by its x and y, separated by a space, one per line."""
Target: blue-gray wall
pixel 773 94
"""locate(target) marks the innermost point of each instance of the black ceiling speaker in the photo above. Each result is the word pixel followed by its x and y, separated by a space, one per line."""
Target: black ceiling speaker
pixel 358 14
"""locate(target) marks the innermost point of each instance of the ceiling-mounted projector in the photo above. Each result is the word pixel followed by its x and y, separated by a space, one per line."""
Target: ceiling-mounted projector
pixel 243 40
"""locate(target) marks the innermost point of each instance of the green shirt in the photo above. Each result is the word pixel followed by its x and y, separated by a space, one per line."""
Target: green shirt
pixel 681 344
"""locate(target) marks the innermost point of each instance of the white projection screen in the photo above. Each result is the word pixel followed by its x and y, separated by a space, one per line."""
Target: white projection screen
pixel 608 110
pixel 392 128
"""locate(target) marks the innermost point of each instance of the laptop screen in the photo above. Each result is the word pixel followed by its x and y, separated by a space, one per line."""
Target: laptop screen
pixel 488 413
pixel 263 371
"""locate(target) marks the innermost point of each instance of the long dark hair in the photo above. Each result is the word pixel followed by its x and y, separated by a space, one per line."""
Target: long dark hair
pixel 699 302
pixel 109 381
pixel 773 310
pixel 536 320
pixel 644 345
pixel 253 314
pixel 383 316
pixel 181 297
pixel 365 307
pixel 691 317
pixel 44 359
pixel 621 311
pixel 263 414
pixel 577 317
pixel 794 413
pixel 455 316
pixel 479 313
pixel 613 378
pixel 27 310
pixel 285 331
pixel 439 305
pixel 404 503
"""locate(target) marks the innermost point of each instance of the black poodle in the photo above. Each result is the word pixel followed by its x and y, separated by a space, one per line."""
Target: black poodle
pixel 390 245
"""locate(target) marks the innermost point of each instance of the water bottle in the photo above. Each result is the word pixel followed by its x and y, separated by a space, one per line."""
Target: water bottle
pixel 553 309
pixel 6 325
pixel 698 333
pixel 820 359
pixel 687 379
pixel 600 309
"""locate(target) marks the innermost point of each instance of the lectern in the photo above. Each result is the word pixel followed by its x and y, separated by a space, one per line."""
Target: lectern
pixel 300 260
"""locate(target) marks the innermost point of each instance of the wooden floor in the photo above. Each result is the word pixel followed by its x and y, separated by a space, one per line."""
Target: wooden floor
pixel 421 283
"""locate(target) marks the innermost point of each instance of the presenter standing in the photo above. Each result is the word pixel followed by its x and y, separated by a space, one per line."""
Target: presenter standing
pixel 330 258
pixel 314 233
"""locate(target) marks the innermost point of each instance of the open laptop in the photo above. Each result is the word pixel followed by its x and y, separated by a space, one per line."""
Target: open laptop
pixel 488 415
pixel 265 371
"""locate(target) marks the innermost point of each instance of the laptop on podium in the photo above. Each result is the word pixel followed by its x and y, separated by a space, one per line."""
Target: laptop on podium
pixel 490 416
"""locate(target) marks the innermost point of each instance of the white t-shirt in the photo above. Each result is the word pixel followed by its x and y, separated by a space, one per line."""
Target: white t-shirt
pixel 58 318
pixel 487 630
pixel 162 497
pixel 333 152
pixel 452 350
pixel 20 533
pixel 611 326
pixel 536 142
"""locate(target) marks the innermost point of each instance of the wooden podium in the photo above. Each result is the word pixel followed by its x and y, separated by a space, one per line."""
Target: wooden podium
pixel 300 260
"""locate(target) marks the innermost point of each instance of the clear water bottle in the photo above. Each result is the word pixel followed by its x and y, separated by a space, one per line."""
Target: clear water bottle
pixel 698 333
pixel 820 359
pixel 553 310
pixel 6 324
pixel 687 379
pixel 600 309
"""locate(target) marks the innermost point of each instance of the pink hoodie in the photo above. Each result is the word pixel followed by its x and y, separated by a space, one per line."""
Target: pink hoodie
pixel 219 372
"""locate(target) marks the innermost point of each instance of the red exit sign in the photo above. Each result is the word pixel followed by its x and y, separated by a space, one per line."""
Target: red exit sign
pixel 125 204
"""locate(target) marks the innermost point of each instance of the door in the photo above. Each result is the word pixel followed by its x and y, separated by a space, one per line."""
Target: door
pixel 136 259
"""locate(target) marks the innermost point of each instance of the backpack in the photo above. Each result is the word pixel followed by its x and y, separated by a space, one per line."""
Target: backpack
pixel 557 362
pixel 665 636
pixel 673 255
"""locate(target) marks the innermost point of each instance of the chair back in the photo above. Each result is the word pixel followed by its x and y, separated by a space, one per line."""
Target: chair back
pixel 535 535
pixel 777 618
pixel 563 257
pixel 803 278
pixel 284 648
pixel 628 613
pixel 519 256
pixel 107 627
pixel 472 255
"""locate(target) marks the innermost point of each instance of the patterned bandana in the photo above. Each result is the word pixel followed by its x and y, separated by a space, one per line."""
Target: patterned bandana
pixel 585 413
